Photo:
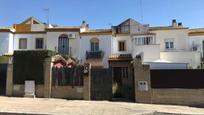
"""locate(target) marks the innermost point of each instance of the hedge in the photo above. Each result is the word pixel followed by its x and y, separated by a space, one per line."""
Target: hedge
pixel 28 65
pixel 4 59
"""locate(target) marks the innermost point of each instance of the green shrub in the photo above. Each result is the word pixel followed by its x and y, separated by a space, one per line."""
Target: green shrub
pixel 3 59
pixel 28 65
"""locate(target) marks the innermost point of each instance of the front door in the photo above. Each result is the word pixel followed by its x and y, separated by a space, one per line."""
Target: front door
pixel 117 82
pixel 63 45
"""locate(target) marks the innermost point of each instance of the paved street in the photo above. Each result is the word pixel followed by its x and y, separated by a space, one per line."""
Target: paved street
pixel 77 107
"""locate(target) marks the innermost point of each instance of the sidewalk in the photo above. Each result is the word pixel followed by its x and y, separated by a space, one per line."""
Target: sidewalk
pixel 78 107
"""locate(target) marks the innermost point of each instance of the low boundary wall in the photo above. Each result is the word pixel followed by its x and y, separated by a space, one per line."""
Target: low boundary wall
pixel 167 90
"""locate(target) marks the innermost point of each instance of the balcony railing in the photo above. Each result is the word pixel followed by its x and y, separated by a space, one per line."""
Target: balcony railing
pixel 64 50
pixel 94 54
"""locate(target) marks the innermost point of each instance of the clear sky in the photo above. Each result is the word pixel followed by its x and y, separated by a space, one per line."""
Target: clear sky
pixel 103 13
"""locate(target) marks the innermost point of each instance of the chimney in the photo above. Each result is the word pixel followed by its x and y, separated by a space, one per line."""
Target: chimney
pixel 174 23
pixel 180 24
pixel 84 26
pixel 87 25
pixel 83 23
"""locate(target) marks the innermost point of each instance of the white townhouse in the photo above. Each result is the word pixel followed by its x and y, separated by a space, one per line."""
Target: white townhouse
pixel 108 47
pixel 32 34
pixel 95 47
pixel 175 46
pixel 162 47
pixel 197 40
pixel 162 44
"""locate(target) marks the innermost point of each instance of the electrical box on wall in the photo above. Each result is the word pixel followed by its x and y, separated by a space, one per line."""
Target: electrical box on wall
pixel 142 85
pixel 72 36
pixel 86 68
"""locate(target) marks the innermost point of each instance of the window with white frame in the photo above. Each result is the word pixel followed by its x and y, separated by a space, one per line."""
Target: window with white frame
pixel 169 44
pixel 23 43
pixel 144 40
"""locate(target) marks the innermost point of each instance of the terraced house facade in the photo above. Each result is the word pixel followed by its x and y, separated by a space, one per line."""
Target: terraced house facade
pixel 109 47
pixel 161 47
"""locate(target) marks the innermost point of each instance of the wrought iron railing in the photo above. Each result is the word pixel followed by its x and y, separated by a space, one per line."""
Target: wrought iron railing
pixel 64 50
pixel 94 54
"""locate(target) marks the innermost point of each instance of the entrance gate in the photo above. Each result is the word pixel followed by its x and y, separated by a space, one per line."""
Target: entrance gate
pixel 3 75
pixel 101 84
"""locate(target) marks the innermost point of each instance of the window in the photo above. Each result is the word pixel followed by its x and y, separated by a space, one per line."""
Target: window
pixel 121 45
pixel 169 44
pixel 146 40
pixel 22 43
pixel 39 43
pixel 125 29
pixel 63 45
pixel 94 43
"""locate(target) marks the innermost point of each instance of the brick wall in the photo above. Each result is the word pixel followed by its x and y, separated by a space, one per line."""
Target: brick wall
pixel 67 92
pixel 18 90
pixel 180 96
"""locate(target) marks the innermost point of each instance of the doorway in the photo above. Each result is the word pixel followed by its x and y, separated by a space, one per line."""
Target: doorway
pixel 117 82
pixel 3 76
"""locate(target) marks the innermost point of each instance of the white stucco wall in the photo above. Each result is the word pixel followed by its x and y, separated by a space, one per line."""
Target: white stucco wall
pixel 104 45
pixel 30 40
pixel 52 42
pixel 4 42
pixel 115 49
pixel 197 41
pixel 179 36
pixel 149 52
pixel 190 57
pixel 11 43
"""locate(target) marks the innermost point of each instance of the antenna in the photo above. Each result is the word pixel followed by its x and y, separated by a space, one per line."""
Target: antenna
pixel 141 10
pixel 47 10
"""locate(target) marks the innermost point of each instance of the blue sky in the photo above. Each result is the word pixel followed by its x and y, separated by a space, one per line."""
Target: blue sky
pixel 102 13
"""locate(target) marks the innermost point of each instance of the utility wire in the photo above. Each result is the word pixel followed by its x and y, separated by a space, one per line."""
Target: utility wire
pixel 141 10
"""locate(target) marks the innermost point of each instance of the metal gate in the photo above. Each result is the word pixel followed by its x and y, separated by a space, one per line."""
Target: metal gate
pixel 101 84
pixel 67 76
pixel 3 75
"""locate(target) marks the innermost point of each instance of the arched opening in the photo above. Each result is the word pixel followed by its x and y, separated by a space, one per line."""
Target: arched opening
pixel 94 43
pixel 63 44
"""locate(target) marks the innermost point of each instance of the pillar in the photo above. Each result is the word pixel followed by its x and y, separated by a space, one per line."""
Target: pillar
pixel 87 82
pixel 48 77
pixel 142 81
pixel 9 80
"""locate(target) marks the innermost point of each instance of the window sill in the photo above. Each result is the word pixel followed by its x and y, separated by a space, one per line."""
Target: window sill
pixel 146 44
pixel 122 51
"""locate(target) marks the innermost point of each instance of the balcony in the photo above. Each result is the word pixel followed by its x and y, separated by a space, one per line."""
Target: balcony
pixel 64 50
pixel 94 54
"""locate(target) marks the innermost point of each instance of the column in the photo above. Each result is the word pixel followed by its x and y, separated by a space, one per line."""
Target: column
pixel 47 78
pixel 9 80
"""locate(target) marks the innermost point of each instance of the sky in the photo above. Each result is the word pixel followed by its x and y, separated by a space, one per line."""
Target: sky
pixel 104 13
